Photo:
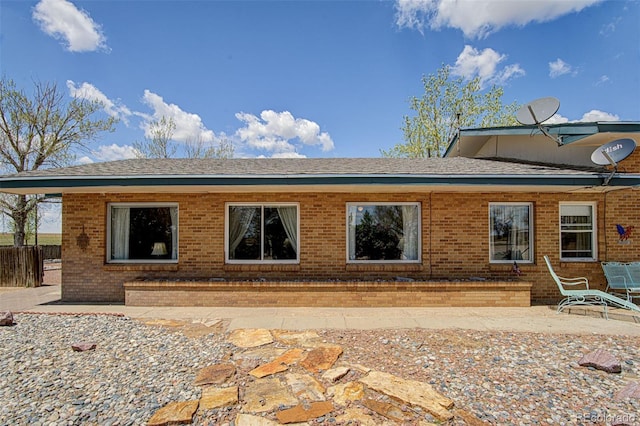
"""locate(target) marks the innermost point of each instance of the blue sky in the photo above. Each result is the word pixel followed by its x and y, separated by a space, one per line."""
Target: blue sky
pixel 315 78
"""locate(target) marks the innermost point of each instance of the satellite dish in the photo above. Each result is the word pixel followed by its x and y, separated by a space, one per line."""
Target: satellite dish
pixel 613 152
pixel 538 111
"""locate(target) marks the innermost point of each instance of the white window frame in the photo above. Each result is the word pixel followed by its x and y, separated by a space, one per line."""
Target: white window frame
pixel 368 203
pixel 262 206
pixel 531 232
pixel 594 230
pixel 142 205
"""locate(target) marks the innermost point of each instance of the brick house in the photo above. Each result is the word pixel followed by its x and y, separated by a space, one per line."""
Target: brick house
pixel 449 231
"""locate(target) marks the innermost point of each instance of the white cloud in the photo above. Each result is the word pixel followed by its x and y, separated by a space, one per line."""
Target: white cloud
pixel 602 80
pixel 62 20
pixel 559 67
pixel 84 160
pixel 114 152
pixel 557 119
pixel 588 117
pixel 90 92
pixel 597 115
pixel 275 131
pixel 471 63
pixel 288 155
pixel 477 19
pixel 188 126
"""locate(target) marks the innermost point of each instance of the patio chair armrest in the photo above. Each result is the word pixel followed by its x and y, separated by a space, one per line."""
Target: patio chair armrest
pixel 574 281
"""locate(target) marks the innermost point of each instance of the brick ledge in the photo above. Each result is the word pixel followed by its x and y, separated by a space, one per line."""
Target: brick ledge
pixel 326 293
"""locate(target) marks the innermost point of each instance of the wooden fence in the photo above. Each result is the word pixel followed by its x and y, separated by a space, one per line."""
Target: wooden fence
pixel 21 266
pixel 50 251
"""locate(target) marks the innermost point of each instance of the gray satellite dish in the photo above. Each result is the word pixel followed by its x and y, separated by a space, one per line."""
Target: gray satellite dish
pixel 613 152
pixel 537 112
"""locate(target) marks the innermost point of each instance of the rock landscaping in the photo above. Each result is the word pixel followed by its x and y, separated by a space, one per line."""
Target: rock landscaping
pixel 170 372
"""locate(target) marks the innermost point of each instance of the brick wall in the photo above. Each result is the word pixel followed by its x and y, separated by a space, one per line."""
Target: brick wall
pixel 455 240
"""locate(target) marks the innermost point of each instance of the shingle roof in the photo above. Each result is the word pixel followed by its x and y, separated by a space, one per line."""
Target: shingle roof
pixel 301 167
pixel 365 173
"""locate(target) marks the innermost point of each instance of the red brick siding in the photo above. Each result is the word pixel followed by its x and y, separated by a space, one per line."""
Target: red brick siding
pixel 455 242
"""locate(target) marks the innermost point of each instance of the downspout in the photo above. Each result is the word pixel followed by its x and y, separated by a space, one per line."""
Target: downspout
pixel 606 242
pixel 431 234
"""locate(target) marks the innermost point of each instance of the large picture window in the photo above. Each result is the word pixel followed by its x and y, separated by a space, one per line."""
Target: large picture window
pixel 262 233
pixel 142 232
pixel 577 231
pixel 511 232
pixel 383 232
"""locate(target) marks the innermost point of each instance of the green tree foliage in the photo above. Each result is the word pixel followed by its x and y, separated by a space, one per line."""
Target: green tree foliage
pixel 448 104
pixel 161 145
pixel 38 131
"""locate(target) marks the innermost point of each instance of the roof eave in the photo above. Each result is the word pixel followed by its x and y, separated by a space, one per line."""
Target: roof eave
pixel 39 185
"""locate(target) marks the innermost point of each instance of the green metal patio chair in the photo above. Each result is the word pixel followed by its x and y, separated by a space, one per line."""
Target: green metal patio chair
pixel 623 279
pixel 585 296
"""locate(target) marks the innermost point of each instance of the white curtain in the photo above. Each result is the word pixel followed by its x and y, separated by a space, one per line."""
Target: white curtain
pixel 289 219
pixel 239 221
pixel 120 232
pixel 410 232
pixel 174 232
pixel 352 233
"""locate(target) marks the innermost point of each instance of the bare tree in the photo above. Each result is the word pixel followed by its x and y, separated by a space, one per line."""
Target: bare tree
pixel 161 144
pixel 38 131
pixel 197 148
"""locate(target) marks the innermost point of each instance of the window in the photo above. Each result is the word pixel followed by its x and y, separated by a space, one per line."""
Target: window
pixel 577 231
pixel 383 232
pixel 511 232
pixel 142 232
pixel 262 233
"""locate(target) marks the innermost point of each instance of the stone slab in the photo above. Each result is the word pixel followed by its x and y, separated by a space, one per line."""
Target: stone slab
pixel 601 360
pixel 390 411
pixel 213 397
pixel 216 374
pixel 303 413
pixel 250 337
pixel 279 364
pixel 267 394
pixel 344 393
pixel 305 387
pixel 334 374
pixel 321 358
pixel 174 413
pixel 411 392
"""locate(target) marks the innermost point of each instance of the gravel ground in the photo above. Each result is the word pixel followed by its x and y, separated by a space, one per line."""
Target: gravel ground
pixel 503 378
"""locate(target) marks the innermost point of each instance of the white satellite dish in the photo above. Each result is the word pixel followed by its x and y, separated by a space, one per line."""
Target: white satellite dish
pixel 537 112
pixel 613 152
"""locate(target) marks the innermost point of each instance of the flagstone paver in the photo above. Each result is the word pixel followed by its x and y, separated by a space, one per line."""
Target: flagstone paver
pixel 335 374
pixel 250 337
pixel 410 391
pixel 267 394
pixel 279 364
pixel 305 387
pixel 174 413
pixel 304 339
pixel 302 413
pixel 321 358
pixel 344 393
pixel 352 415
pixel 215 374
pixel 388 410
pixel 300 395
pixel 213 397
